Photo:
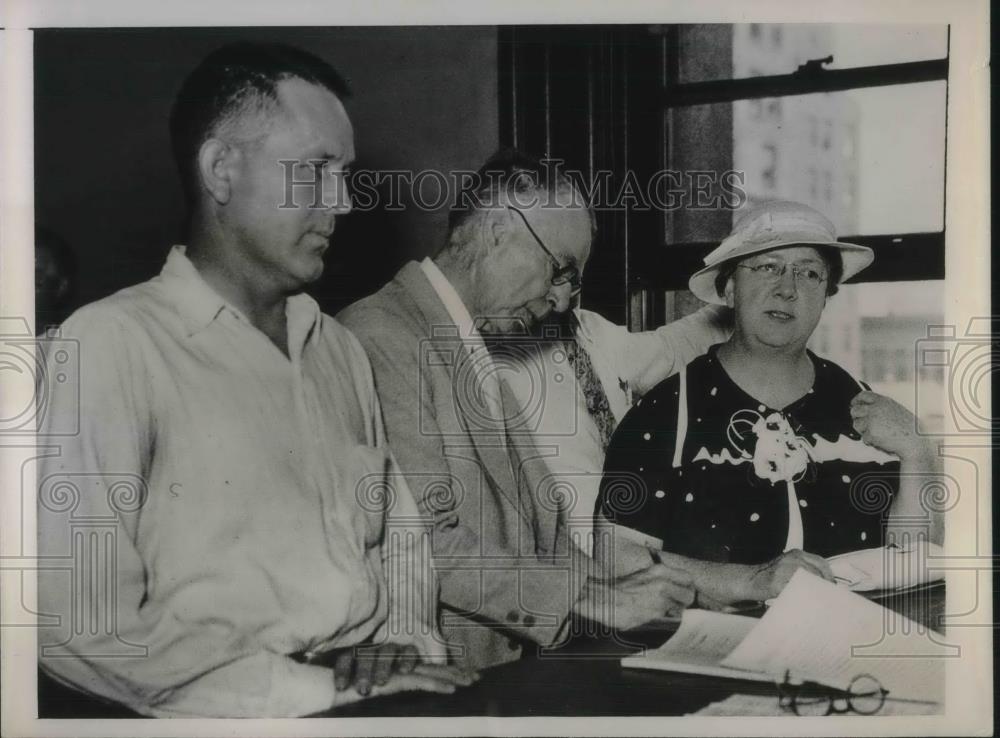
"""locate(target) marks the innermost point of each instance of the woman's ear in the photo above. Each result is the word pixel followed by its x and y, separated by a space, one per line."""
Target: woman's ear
pixel 728 293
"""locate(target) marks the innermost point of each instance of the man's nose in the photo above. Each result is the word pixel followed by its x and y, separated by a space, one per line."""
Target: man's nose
pixel 340 201
pixel 561 297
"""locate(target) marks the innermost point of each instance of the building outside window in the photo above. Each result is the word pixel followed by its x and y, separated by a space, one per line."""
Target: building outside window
pixel 847 154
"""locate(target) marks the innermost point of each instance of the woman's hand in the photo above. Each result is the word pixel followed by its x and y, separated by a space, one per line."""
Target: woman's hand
pixel 767 580
pixel 886 425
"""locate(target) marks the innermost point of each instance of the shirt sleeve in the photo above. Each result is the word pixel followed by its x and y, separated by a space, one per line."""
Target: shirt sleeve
pixel 92 495
pixel 646 358
pixel 406 548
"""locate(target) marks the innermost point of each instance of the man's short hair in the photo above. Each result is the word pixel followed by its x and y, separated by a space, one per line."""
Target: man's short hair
pixel 831 257
pixel 232 83
pixel 523 179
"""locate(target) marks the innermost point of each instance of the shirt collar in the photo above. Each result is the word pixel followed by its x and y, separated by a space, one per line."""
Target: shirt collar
pixel 580 329
pixel 457 310
pixel 199 304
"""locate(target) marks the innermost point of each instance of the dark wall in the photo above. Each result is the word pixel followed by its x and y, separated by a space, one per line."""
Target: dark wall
pixel 424 97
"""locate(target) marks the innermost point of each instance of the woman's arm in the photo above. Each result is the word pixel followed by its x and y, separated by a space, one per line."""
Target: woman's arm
pixel 887 425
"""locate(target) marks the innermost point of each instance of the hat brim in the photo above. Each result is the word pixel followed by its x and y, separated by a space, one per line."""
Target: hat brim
pixel 702 282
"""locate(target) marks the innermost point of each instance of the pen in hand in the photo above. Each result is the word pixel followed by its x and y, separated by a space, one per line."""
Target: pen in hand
pixel 655 556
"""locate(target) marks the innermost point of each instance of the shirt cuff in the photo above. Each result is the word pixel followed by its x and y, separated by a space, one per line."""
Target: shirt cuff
pixel 300 689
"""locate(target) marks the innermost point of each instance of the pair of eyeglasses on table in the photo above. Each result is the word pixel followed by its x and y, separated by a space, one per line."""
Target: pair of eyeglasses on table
pixel 864 695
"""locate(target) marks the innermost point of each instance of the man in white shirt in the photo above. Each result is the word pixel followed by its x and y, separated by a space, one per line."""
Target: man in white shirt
pixel 509 578
pixel 222 506
pixel 576 379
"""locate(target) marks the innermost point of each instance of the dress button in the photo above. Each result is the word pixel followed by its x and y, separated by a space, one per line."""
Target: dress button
pixel 512 616
pixel 529 620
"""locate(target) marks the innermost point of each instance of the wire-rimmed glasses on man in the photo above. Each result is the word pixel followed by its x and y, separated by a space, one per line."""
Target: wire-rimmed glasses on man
pixel 561 273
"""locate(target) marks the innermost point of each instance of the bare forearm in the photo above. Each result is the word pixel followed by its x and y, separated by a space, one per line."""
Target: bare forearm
pixel 913 510
pixel 715 582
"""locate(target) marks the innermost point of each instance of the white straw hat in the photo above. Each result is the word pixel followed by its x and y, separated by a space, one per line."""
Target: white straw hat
pixel 771 225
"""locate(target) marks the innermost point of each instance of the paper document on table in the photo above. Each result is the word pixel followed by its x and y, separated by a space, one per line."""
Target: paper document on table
pixel 814 631
pixel 887 568
pixel 827 634
pixel 702 641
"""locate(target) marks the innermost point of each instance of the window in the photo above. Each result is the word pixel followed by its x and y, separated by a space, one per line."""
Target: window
pixel 902 368
pixel 769 172
pixel 864 146
pixel 860 143
pixel 853 45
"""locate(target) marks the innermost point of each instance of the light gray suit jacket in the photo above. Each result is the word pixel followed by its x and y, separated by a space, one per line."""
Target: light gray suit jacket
pixel 508 575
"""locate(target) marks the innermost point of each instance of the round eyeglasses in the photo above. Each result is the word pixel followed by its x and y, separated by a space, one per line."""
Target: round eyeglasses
pixel 773 271
pixel 864 696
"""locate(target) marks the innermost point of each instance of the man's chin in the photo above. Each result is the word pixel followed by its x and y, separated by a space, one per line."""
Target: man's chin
pixel 311 270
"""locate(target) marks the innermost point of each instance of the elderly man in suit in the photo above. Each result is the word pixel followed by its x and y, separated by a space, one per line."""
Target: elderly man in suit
pixel 509 577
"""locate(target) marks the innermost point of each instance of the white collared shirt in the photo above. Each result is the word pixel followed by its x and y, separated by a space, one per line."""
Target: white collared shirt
pixel 485 367
pixel 627 364
pixel 239 489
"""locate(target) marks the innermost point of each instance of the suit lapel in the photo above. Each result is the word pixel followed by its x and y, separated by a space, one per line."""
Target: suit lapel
pixel 486 433
pixel 537 487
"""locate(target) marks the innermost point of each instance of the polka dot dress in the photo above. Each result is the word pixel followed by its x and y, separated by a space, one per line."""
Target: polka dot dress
pixel 706 468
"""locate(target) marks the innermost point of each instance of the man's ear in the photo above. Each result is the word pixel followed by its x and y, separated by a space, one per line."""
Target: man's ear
pixel 216 160
pixel 62 291
pixel 496 225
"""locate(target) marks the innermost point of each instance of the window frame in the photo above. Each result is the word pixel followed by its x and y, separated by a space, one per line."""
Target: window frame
pixel 898 256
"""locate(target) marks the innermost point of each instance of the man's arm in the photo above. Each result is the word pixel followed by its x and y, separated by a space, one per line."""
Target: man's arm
pixel 410 579
pixel 515 580
pixel 134 654
pixel 411 584
pixel 645 359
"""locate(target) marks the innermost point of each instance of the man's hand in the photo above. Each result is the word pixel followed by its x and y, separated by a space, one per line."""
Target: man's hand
pixel 886 425
pixel 365 666
pixel 440 678
pixel 767 580
pixel 638 598
pixel 423 677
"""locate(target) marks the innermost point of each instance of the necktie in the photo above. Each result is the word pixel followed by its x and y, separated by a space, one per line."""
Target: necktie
pixel 593 391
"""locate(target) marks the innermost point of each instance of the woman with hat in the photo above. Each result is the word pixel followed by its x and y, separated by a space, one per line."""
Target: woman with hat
pixel 761 457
